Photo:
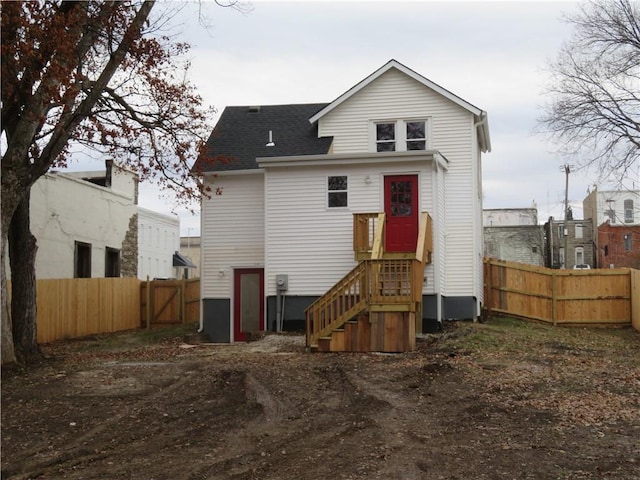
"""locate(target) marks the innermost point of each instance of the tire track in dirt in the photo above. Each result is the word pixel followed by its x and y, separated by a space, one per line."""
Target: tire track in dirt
pixel 77 448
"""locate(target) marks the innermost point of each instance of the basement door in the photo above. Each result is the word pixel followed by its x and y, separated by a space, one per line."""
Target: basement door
pixel 401 209
pixel 248 303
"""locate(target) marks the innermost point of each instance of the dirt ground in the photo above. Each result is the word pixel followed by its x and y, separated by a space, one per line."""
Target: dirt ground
pixel 502 400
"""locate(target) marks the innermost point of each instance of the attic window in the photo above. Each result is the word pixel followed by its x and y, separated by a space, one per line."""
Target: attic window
pixel 416 136
pixel 385 137
pixel 254 109
pixel 399 135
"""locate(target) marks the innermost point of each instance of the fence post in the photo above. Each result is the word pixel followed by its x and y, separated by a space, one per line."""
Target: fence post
pixel 487 286
pixel 183 300
pixel 148 303
pixel 554 304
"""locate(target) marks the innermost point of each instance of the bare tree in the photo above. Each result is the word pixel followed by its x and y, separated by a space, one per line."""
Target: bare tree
pixel 593 111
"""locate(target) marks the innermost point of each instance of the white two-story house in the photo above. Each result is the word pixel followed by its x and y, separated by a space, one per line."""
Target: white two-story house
pixel 290 183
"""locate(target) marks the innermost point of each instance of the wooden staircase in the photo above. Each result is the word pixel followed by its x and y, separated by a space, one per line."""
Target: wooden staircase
pixel 378 304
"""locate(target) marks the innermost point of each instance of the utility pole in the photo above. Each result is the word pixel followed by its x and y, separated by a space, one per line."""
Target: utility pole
pixel 567 170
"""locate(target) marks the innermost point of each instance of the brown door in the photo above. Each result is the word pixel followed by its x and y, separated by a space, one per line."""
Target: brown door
pixel 248 308
pixel 401 209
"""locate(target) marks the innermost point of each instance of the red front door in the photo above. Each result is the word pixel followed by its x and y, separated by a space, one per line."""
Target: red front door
pixel 401 209
pixel 248 304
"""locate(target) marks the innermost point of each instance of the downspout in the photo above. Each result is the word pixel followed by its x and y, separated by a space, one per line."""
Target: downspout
pixel 278 310
pixel 436 245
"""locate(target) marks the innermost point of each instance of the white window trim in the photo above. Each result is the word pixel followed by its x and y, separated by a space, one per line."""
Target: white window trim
pixel 326 183
pixel 401 133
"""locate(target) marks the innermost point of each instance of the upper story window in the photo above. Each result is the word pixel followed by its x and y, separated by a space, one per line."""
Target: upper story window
pixel 628 211
pixel 337 192
pixel 612 216
pixel 400 136
pixel 385 137
pixel 416 136
pixel 579 230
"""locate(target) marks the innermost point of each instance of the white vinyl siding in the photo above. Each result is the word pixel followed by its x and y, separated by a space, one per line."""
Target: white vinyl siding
pixel 311 243
pixel 451 131
pixel 232 231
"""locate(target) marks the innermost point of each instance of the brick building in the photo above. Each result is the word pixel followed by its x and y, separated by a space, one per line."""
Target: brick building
pixel 576 235
pixel 618 246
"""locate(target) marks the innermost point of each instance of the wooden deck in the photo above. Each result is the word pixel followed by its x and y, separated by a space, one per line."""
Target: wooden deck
pixel 377 305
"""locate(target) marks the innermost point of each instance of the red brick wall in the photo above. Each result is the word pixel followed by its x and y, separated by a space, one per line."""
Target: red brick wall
pixel 611 246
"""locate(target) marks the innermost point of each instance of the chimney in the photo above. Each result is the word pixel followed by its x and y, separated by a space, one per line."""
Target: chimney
pixel 108 173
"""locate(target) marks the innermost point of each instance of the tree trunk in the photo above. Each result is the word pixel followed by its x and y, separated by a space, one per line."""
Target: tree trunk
pixel 6 212
pixel 22 255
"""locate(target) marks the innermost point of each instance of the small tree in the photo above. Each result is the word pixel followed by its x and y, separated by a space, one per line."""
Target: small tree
pixel 95 74
pixel 594 90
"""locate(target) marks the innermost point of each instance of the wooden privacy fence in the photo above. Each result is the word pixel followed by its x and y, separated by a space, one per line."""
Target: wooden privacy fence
pixel 575 297
pixel 165 302
pixel 78 307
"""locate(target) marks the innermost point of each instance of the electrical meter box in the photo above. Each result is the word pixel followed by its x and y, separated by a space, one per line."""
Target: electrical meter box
pixel 282 281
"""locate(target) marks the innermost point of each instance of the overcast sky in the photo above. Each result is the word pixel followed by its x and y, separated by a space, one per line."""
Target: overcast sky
pixel 492 54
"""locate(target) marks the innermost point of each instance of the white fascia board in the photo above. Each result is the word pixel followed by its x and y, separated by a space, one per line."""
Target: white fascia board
pixel 351 159
pixel 407 71
pixel 231 173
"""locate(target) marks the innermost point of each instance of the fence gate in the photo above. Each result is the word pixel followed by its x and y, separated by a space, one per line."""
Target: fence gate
pixel 167 302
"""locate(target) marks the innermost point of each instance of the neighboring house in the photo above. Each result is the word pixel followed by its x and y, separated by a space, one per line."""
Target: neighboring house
pixel 509 217
pixel 576 237
pixel 190 249
pixel 278 232
pixel 513 234
pixel 85 223
pixel 619 207
pixel 159 242
pixel 618 246
pixel 617 215
pixel 89 225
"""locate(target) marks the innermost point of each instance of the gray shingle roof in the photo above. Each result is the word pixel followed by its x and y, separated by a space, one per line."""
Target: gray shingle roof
pixel 241 135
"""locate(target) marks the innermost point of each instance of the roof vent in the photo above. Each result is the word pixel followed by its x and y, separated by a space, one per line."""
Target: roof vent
pixel 254 109
pixel 270 143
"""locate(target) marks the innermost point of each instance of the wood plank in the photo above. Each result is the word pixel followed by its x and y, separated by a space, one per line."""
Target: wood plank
pixel 364 334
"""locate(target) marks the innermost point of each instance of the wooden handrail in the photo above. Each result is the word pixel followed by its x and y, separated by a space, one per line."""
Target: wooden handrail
pixel 367 227
pixel 424 246
pixel 377 250
pixel 344 300
pixel 386 283
pixel 390 283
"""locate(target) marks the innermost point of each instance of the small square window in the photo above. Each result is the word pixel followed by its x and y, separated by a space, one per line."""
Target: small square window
pixel 337 192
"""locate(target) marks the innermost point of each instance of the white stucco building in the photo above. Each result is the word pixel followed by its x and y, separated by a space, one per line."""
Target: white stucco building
pixel 85 223
pixel 158 241
pixel 88 224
